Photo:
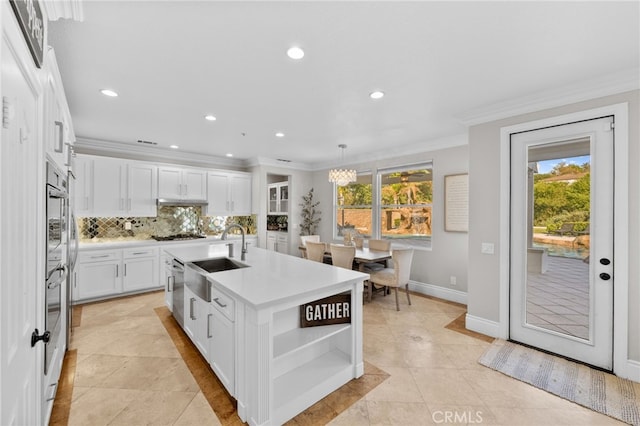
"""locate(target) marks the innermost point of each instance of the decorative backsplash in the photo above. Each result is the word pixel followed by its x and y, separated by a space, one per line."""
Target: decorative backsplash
pixel 277 222
pixel 171 220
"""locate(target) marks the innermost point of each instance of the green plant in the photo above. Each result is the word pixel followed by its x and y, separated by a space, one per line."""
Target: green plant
pixel 308 213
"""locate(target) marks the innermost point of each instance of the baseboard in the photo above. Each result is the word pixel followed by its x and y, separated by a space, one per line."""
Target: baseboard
pixel 633 370
pixel 483 326
pixel 439 292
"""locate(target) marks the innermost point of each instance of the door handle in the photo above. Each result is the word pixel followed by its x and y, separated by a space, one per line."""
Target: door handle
pixel 36 337
pixel 604 276
pixel 209 325
pixel 191 308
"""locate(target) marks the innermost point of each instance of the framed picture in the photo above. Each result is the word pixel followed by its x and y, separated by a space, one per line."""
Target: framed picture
pixel 456 203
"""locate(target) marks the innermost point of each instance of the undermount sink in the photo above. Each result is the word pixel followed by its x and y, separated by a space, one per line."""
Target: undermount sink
pixel 218 264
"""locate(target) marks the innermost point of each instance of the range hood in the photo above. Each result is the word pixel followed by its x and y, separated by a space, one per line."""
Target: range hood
pixel 178 202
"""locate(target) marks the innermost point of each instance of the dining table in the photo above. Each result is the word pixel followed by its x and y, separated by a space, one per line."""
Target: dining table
pixel 363 255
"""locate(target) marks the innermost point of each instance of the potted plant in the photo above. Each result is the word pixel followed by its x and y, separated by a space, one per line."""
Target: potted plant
pixel 309 213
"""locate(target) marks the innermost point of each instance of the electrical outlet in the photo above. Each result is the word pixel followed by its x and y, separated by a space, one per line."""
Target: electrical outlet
pixel 487 248
pixel 127 226
pixel 452 280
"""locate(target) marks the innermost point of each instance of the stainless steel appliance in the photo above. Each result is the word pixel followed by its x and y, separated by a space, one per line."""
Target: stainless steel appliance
pixel 195 274
pixel 56 269
pixel 72 254
pixel 177 270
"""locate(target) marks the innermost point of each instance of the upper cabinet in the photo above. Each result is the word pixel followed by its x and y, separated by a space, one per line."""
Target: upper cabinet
pixel 228 193
pixel 108 187
pixel 278 194
pixel 182 184
pixel 58 131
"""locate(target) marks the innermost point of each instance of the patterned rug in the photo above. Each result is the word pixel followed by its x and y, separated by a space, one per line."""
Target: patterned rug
pixel 594 389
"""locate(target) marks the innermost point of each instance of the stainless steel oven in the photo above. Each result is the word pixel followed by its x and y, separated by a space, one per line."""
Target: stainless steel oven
pixel 56 269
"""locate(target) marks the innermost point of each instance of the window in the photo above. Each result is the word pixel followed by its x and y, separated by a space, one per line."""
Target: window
pixel 396 205
pixel 353 207
pixel 405 202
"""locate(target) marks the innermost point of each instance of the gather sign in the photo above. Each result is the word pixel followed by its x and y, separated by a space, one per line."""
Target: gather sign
pixel 334 309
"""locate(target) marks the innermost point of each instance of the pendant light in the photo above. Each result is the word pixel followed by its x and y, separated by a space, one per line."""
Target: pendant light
pixel 342 177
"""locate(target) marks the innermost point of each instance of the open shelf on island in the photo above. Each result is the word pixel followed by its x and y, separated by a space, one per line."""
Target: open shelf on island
pixel 300 387
pixel 299 338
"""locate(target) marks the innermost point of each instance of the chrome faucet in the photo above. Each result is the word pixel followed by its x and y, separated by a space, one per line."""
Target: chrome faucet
pixel 244 246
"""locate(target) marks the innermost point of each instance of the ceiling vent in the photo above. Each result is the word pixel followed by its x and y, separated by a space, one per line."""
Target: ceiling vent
pixel 283 160
pixel 147 142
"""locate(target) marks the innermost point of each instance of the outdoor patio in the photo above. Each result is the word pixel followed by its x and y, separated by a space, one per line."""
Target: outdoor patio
pixel 558 299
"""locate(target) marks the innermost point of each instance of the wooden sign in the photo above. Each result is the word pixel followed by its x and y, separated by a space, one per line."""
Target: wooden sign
pixel 31 23
pixel 334 309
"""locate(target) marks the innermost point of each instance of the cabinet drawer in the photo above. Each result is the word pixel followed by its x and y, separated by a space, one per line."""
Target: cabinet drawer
pixel 98 256
pixel 223 303
pixel 140 252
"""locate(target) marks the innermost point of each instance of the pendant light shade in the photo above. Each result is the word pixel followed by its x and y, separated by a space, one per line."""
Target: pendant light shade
pixel 342 177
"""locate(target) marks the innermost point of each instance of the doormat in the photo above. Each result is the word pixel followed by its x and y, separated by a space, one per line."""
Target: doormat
pixel 224 405
pixel 591 388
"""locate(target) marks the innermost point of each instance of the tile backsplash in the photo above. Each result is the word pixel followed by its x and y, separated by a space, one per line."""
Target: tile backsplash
pixel 170 220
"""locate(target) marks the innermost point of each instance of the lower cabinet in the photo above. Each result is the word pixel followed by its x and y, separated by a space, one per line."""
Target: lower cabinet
pixel 106 273
pixel 167 279
pixel 197 321
pixel 278 241
pixel 222 351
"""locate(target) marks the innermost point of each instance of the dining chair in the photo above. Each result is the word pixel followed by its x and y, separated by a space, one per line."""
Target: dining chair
pixel 342 256
pixel 359 242
pixel 315 251
pixel 396 276
pixel 303 242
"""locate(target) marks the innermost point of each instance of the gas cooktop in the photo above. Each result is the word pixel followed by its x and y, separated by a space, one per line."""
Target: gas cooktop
pixel 178 237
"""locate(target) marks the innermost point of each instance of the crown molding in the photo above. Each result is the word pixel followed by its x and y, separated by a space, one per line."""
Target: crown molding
pixel 610 84
pixel 150 153
pixel 64 9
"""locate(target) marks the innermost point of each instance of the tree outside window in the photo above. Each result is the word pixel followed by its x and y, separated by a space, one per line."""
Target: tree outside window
pixel 353 207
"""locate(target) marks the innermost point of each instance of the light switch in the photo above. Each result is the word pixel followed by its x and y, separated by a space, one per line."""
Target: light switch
pixel 487 248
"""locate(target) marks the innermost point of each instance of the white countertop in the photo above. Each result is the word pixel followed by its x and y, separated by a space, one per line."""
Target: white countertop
pixel 113 243
pixel 271 277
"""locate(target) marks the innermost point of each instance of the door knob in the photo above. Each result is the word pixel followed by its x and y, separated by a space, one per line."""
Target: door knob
pixel 605 276
pixel 35 337
pixel 604 261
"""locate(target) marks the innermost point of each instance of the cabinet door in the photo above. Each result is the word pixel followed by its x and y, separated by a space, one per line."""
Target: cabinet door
pixel 139 274
pixel 273 198
pixel 83 186
pixel 282 244
pixel 194 185
pixel 97 279
pixel 218 194
pixel 167 280
pixel 109 187
pixel 283 198
pixel 272 241
pixel 203 329
pixel 142 190
pixel 222 350
pixel 169 183
pixel 190 300
pixel 240 189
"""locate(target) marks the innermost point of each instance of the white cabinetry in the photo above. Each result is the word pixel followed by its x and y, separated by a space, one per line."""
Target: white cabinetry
pixel 98 274
pixel 105 273
pixel 182 184
pixel 278 198
pixel 278 241
pixel 166 272
pixel 228 193
pixel 140 269
pixel 197 321
pixel 222 349
pixel 109 187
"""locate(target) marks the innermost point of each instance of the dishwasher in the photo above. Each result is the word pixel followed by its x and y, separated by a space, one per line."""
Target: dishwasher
pixel 177 269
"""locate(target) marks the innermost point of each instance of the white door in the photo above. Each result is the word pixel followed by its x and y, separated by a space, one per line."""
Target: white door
pixel 240 194
pixel 109 187
pixel 218 194
pixel 21 233
pixel 142 190
pixel 194 185
pixel 561 284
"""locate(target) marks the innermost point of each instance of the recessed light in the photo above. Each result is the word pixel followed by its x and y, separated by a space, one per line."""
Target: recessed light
pixel 280 135
pixel 210 117
pixel 376 95
pixel 109 92
pixel 174 146
pixel 229 154
pixel 295 52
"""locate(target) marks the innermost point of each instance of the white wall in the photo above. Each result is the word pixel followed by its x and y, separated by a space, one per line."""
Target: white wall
pixel 485 179
pixel 448 255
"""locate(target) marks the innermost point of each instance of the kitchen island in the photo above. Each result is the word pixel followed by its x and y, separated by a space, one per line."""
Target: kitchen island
pixel 252 336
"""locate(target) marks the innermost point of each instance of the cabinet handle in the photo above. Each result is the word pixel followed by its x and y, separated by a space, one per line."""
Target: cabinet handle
pixel 53 394
pixel 140 252
pixel 191 315
pixel 98 257
pixel 218 302
pixel 59 144
pixel 186 189
pixel 125 270
pixel 209 326
pixel 75 280
pixel 227 205
pixel 232 205
pixel 169 283
pixel 117 271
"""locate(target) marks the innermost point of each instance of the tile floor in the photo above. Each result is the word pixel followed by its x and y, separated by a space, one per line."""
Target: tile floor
pixel 128 371
pixel 558 299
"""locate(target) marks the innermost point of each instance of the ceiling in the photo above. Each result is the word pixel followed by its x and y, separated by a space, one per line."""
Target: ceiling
pixel 438 63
